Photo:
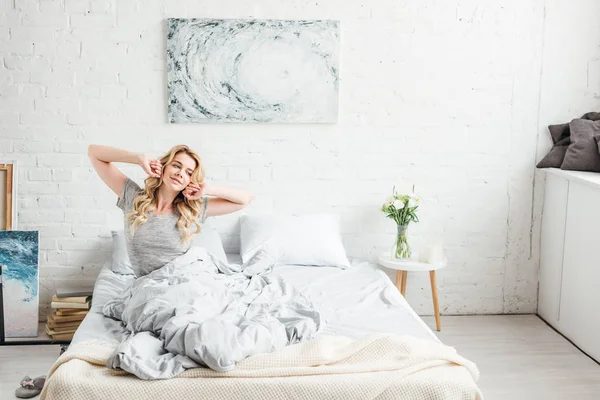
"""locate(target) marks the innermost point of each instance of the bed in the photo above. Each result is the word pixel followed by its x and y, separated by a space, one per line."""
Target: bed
pixel 360 305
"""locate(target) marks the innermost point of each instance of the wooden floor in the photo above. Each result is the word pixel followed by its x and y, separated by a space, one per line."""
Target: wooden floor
pixel 519 357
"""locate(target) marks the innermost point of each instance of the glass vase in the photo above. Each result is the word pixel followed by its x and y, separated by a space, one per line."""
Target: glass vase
pixel 401 249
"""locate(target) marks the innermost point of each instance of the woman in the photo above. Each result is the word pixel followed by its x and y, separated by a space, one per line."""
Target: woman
pixel 161 218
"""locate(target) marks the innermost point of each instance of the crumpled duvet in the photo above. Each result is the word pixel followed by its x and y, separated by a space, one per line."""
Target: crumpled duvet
pixel 198 311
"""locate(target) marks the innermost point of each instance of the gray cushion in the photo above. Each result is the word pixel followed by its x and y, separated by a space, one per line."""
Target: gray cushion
pixel 582 154
pixel 120 258
pixel 210 239
pixel 556 155
pixel 561 131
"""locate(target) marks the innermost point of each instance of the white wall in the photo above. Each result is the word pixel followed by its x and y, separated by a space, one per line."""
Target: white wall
pixel 442 94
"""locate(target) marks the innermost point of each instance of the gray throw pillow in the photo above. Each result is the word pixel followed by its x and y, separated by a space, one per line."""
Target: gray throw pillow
pixel 561 131
pixel 210 239
pixel 120 258
pixel 582 154
pixel 556 155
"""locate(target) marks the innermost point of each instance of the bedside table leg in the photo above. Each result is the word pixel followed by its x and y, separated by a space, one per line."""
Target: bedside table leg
pixel 399 277
pixel 404 279
pixel 435 300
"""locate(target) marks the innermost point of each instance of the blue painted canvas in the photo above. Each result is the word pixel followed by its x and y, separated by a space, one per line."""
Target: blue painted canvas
pixel 19 256
pixel 251 70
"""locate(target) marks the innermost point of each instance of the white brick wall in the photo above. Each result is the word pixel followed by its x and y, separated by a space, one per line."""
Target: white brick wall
pixel 444 94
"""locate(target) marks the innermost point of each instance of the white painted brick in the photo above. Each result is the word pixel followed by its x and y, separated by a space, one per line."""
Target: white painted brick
pixel 57 257
pixel 57 106
pixel 48 230
pixel 73 147
pixel 37 188
pixel 238 174
pixel 102 6
pixel 26 63
pixel 77 6
pixel 51 202
pixel 216 174
pixel 113 92
pixel 16 47
pixel 79 244
pixel 51 6
pixel 55 20
pixel 54 77
pixel 91 91
pixel 260 174
pixel 6 146
pixel 85 231
pixel 32 6
pixel 91 217
pixel 62 175
pixel 47 243
pixel 22 146
pixel 92 21
pixel 60 91
pixel 33 91
pixel 40 174
pixel 43 118
pixel 41 217
pixel 98 77
pixel 60 160
pixel 82 201
pixel 70 188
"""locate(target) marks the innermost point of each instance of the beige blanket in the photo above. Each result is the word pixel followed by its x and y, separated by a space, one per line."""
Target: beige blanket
pixel 382 366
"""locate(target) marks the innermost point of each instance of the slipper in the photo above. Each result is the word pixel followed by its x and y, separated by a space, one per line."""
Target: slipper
pixel 30 387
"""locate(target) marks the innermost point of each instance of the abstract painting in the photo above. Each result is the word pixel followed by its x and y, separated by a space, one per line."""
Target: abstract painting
pixel 248 70
pixel 20 282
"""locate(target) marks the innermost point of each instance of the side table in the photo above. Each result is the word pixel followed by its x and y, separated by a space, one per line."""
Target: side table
pixel 403 266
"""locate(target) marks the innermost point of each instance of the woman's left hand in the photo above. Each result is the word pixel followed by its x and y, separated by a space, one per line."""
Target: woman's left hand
pixel 194 191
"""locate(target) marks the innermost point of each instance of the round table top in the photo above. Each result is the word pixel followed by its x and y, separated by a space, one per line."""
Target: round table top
pixel 408 265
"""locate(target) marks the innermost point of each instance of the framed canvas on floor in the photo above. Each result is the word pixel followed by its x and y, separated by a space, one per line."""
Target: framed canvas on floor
pixel 19 262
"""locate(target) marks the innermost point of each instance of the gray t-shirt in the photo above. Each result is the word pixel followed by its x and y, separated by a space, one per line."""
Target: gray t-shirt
pixel 155 242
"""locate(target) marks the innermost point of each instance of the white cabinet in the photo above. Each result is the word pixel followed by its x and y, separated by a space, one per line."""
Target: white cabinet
pixel 570 257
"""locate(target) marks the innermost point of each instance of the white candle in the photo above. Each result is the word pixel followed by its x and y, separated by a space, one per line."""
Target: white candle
pixel 435 254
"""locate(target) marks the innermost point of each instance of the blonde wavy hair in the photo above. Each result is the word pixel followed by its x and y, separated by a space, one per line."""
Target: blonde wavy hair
pixel 189 211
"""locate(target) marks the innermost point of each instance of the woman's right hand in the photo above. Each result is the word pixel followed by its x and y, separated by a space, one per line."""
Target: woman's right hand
pixel 152 166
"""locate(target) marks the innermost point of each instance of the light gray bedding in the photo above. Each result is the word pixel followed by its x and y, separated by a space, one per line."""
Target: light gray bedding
pixel 199 311
pixel 354 302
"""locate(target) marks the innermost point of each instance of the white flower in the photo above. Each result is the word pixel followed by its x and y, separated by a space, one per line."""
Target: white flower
pixel 413 200
pixel 399 204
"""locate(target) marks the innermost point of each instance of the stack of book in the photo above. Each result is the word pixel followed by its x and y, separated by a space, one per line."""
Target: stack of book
pixel 68 312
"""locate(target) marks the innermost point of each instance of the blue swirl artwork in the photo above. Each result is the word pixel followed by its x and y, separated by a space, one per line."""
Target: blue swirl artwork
pixel 248 70
pixel 20 282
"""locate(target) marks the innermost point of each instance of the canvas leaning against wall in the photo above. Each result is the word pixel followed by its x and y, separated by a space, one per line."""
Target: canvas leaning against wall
pixel 19 260
pixel 238 70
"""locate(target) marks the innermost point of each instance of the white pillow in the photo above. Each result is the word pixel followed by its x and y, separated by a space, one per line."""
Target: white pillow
pixel 210 239
pixel 312 239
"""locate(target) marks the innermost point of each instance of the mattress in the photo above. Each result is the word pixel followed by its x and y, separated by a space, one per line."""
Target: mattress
pixel 354 302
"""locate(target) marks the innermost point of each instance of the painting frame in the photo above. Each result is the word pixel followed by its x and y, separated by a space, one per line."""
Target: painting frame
pixel 249 70
pixel 8 194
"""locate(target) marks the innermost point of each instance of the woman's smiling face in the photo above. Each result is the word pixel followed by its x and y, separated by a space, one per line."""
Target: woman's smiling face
pixel 178 174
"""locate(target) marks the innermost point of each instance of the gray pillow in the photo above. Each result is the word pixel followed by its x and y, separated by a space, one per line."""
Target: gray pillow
pixel 556 155
pixel 561 131
pixel 210 239
pixel 582 154
pixel 120 258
